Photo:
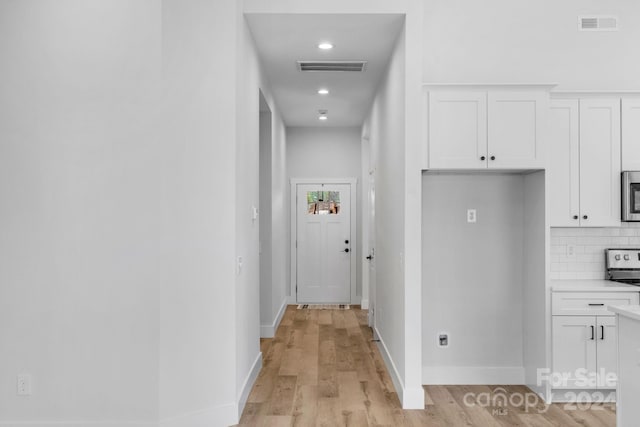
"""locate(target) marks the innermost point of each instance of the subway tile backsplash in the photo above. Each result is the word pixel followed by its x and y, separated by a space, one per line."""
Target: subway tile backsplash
pixel 588 244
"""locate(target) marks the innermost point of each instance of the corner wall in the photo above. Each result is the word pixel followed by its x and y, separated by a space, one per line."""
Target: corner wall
pixel 83 211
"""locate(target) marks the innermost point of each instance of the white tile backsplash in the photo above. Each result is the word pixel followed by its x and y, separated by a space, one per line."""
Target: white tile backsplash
pixel 589 244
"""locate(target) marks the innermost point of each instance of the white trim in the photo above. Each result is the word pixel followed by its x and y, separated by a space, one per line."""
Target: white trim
pixel 269 331
pixel 123 423
pixel 353 183
pixel 364 304
pixel 472 375
pixel 248 384
pixel 391 367
pixel 411 398
pixel 221 415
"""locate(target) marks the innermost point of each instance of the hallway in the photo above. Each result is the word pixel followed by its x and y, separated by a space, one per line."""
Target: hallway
pixel 322 369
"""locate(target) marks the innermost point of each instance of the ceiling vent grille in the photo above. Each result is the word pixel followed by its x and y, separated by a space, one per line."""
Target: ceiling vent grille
pixel 332 66
pixel 597 23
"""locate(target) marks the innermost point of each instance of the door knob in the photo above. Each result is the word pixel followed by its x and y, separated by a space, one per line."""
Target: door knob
pixel 370 257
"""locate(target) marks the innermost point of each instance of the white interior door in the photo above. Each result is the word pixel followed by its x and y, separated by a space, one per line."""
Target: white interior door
pixel 324 245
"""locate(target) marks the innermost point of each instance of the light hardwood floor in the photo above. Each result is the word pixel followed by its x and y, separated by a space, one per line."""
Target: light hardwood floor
pixel 323 369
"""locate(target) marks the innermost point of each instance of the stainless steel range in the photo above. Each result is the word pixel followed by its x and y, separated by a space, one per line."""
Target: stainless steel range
pixel 623 265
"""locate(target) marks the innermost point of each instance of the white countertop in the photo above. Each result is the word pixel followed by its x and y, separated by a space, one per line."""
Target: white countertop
pixel 592 286
pixel 631 311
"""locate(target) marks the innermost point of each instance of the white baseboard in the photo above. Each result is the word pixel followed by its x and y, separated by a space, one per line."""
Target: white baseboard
pixel 123 423
pixel 472 375
pixel 269 331
pixel 218 416
pixel 364 304
pixel 410 398
pixel 248 384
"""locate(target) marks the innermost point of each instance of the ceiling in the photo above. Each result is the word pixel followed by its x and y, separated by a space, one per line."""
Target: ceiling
pixel 284 39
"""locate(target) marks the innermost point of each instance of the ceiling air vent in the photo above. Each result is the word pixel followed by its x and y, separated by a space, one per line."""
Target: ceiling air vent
pixel 357 66
pixel 597 23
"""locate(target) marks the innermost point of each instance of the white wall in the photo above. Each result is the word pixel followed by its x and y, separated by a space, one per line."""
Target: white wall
pixel 473 278
pixel 330 152
pixel 198 315
pixel 502 41
pixel 83 210
pixel 386 131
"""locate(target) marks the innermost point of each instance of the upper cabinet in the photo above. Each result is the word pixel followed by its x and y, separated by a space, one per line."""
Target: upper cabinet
pixel 631 134
pixel 500 128
pixel 584 165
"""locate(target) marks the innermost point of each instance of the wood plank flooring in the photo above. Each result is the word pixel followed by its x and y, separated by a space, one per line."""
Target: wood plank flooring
pixel 322 369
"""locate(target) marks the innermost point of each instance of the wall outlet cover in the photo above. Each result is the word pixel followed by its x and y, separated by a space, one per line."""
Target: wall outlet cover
pixel 24 385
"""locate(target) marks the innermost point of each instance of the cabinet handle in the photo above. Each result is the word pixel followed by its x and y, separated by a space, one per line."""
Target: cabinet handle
pixel 575 217
pixel 585 217
pixel 593 332
pixel 601 332
pixel 593 304
pixel 493 157
pixel 483 158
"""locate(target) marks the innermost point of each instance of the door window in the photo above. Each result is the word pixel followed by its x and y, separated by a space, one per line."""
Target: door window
pixel 323 202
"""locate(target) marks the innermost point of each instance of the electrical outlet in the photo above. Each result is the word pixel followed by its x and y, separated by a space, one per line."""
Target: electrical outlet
pixel 443 339
pixel 571 251
pixel 24 385
pixel 471 215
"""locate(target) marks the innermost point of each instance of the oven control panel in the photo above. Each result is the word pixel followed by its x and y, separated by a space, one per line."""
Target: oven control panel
pixel 622 259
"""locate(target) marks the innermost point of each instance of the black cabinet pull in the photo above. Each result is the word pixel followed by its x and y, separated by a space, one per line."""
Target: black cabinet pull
pixel 593 332
pixel 575 217
pixel 346 242
pixel 601 332
pixel 493 157
pixel 585 217
pixel 593 304
pixel 483 158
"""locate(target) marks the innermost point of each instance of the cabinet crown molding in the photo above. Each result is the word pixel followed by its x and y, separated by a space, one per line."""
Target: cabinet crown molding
pixel 491 86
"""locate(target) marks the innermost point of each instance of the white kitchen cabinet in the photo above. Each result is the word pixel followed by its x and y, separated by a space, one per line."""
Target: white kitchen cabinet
pixel 457 129
pixel 631 134
pixel 584 351
pixel 584 338
pixel 584 167
pixel 480 129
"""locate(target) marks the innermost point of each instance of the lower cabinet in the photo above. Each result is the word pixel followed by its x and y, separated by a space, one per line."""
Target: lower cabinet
pixel 584 352
pixel 584 338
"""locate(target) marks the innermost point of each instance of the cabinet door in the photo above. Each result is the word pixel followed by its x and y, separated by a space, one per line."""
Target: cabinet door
pixel 517 129
pixel 574 350
pixel 563 173
pixel 457 130
pixel 607 353
pixel 631 134
pixel 600 162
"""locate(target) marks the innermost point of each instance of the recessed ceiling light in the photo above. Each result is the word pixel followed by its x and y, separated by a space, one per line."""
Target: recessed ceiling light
pixel 325 46
pixel 323 91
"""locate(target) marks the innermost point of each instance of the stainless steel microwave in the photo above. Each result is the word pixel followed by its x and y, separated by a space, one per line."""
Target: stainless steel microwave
pixel 631 196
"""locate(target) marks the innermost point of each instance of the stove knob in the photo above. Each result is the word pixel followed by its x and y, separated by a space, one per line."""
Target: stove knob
pixel 626 257
pixel 617 257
